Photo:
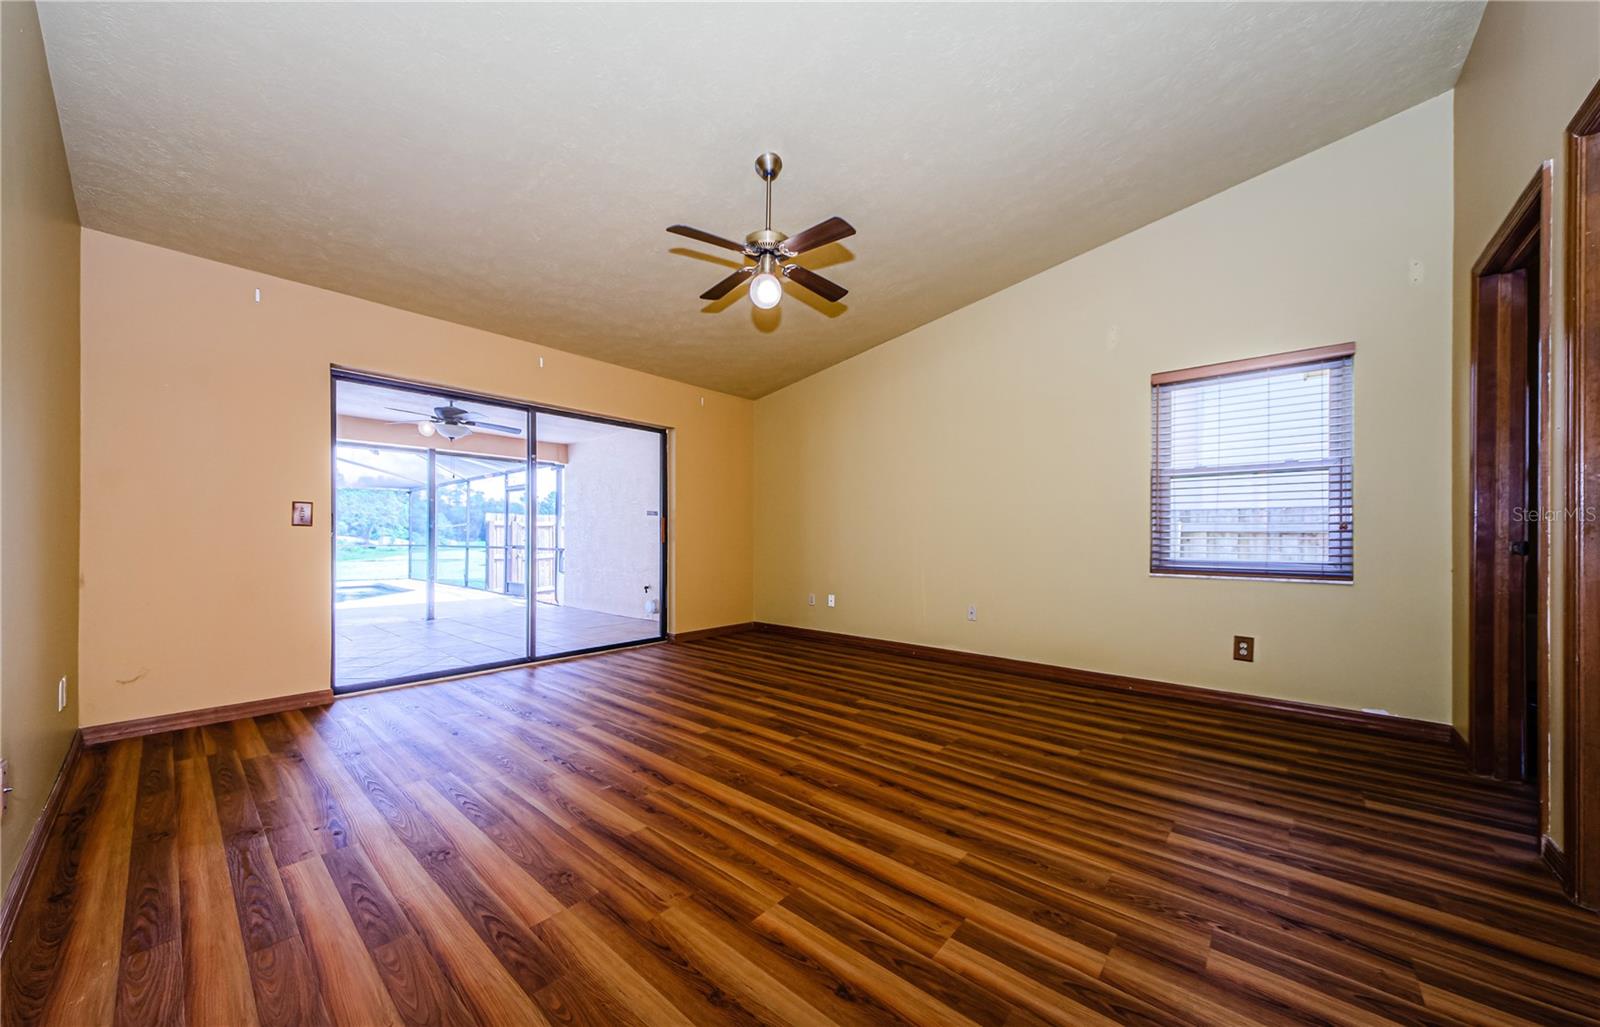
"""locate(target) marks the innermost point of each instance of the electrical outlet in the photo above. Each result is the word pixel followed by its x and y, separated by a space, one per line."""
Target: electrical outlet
pixel 830 599
pixel 61 694
pixel 972 612
pixel 1244 648
pixel 811 599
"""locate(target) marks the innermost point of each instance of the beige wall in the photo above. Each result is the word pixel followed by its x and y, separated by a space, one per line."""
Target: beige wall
pixel 38 430
pixel 1530 67
pixel 1000 455
pixel 205 413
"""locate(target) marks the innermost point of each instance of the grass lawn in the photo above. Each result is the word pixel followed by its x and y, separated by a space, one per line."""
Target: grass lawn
pixel 357 562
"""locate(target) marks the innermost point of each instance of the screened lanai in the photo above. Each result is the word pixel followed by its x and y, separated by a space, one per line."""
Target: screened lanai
pixel 411 600
pixel 435 537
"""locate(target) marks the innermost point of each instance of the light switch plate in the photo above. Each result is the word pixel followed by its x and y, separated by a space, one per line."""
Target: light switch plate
pixel 830 598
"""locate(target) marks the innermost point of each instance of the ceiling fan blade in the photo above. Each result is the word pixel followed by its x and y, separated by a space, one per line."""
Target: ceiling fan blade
pixel 413 413
pixel 815 282
pixel 727 285
pixel 495 427
pixel 706 237
pixel 831 230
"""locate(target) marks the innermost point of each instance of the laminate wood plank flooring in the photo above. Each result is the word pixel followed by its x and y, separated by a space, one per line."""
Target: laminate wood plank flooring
pixel 761 829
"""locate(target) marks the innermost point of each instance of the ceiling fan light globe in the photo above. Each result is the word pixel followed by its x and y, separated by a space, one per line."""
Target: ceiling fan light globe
pixel 766 290
pixel 454 431
pixel 425 429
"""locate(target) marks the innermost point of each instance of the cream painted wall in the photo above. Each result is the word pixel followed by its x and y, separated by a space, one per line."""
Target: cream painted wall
pixel 38 430
pixel 1000 455
pixel 1530 67
pixel 205 414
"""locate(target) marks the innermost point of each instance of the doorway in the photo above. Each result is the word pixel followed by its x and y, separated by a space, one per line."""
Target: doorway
pixel 1510 398
pixel 453 526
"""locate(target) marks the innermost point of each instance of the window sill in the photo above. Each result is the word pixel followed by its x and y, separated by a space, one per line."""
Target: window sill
pixel 1285 578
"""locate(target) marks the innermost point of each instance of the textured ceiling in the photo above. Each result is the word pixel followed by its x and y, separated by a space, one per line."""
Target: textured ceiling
pixel 513 167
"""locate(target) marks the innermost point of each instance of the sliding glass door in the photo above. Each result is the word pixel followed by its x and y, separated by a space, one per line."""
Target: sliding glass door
pixel 473 533
pixel 601 534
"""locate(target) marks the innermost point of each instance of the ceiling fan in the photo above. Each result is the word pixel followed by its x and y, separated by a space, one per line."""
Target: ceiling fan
pixel 452 422
pixel 769 249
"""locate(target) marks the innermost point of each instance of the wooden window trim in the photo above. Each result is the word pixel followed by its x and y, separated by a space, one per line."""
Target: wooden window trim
pixel 1164 571
pixel 1275 360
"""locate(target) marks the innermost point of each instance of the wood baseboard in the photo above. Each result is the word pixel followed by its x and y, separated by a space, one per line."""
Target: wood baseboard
pixel 1395 727
pixel 1557 861
pixel 726 629
pixel 100 734
pixel 22 876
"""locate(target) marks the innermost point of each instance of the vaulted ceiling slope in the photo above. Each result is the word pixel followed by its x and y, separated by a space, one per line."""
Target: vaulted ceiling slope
pixel 514 167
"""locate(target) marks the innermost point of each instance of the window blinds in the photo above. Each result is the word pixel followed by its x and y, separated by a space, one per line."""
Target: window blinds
pixel 1251 473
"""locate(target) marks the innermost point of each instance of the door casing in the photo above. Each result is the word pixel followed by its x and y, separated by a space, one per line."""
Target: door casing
pixel 1578 860
pixel 1510 414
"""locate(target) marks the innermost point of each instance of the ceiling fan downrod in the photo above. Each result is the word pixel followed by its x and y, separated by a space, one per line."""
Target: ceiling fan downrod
pixel 768 165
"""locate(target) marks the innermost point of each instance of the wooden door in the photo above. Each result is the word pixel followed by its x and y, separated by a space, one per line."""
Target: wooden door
pixel 1505 526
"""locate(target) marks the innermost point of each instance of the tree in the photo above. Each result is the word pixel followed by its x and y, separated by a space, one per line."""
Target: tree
pixel 372 513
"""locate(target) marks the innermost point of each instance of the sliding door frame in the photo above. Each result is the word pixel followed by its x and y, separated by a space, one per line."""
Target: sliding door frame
pixel 533 411
pixel 661 509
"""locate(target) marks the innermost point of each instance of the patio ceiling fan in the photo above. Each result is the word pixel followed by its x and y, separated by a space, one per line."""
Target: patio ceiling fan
pixel 451 421
pixel 770 248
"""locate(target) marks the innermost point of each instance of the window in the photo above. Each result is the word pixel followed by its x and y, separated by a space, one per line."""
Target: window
pixel 1252 468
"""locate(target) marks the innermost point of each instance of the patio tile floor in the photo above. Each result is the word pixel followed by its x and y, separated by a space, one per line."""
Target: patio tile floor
pixel 385 637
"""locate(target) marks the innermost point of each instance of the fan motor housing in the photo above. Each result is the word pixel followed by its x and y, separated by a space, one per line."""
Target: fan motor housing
pixel 765 238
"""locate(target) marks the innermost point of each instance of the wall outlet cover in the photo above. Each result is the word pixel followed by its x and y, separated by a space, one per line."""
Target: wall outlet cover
pixel 830 598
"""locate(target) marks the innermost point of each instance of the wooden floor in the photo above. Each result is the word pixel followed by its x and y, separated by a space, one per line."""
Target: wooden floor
pixel 758 829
